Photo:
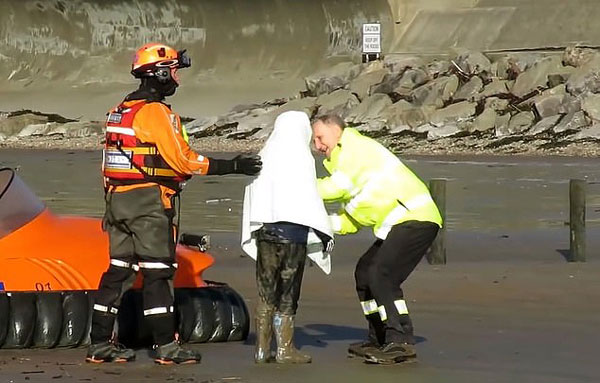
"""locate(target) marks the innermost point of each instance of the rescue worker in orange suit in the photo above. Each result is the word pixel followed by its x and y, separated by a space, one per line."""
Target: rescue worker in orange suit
pixel 146 161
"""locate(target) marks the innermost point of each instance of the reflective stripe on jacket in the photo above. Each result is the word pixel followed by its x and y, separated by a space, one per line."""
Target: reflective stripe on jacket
pixel 145 142
pixel 374 186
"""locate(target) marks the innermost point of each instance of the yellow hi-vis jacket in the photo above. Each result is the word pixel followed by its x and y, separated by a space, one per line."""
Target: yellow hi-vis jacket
pixel 374 186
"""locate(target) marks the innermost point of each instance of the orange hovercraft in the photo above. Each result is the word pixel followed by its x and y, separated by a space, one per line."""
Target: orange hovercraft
pixel 50 267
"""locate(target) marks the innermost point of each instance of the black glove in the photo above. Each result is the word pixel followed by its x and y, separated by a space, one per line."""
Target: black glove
pixel 247 164
pixel 242 164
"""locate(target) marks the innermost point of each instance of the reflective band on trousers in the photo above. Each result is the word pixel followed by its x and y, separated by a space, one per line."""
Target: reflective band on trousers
pixel 120 130
pixel 382 313
pixel 126 265
pixel 104 309
pixel 158 310
pixel 401 306
pixel 369 307
pixel 399 212
pixel 156 265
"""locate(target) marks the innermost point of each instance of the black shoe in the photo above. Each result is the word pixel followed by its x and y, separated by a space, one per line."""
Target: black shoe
pixel 173 353
pixel 391 353
pixel 109 352
pixel 359 349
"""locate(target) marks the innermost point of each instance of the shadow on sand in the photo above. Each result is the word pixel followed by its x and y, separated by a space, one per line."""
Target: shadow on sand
pixel 319 335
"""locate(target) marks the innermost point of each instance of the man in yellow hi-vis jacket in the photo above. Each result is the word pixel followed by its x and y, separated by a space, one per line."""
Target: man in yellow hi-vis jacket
pixel 376 189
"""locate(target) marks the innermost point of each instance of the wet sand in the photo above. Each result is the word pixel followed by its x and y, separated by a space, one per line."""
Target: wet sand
pixel 506 308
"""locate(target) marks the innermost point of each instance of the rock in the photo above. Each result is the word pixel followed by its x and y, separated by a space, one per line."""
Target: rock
pixel 307 105
pixel 444 131
pixel 339 102
pixel 328 85
pixel 497 104
pixel 520 62
pixel 388 84
pixel 453 113
pixel 411 79
pixel 501 69
pixel 345 71
pixel 11 125
pixel 549 105
pixel 520 122
pixel 592 132
pixel 259 126
pixel 77 129
pixel 501 125
pixel 398 128
pixel 549 102
pixel 591 106
pixel 200 125
pixel 373 126
pixel 402 114
pixel 470 90
pixel 361 86
pixel 544 125
pixel 563 77
pixel 435 93
pixel 370 109
pixel 485 121
pixel 536 77
pixel 259 122
pixel 577 56
pixel 585 78
pixel 437 68
pixel 570 104
pixel 570 122
pixel 473 63
pixel 425 128
pixel 36 129
pixel 496 88
pixel 398 64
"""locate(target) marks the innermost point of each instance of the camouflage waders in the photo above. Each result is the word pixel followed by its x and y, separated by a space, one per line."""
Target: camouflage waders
pixel 279 272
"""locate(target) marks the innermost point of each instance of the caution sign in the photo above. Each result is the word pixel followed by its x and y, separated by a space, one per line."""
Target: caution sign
pixel 371 38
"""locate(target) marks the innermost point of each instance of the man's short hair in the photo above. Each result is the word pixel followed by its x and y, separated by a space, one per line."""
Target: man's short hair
pixel 331 119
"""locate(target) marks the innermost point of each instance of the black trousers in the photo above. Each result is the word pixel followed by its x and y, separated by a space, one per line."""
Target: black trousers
pixel 141 236
pixel 380 273
pixel 279 272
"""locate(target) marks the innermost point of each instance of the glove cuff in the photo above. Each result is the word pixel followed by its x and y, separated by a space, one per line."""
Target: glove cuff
pixel 220 167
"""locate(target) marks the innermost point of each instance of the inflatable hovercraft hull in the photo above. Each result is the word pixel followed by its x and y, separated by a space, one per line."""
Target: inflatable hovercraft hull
pixel 50 268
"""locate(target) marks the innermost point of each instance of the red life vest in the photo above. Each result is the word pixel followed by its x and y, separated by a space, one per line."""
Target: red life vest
pixel 129 161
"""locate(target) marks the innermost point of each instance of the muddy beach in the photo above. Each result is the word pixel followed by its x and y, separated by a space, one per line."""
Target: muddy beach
pixel 507 119
pixel 507 306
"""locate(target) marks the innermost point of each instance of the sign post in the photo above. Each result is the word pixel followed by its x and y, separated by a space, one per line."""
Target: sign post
pixel 371 48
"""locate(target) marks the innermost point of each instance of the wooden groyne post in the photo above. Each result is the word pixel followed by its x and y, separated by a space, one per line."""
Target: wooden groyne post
pixel 577 220
pixel 437 254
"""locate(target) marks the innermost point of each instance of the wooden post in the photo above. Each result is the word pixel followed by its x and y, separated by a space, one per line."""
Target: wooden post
pixel 577 220
pixel 437 254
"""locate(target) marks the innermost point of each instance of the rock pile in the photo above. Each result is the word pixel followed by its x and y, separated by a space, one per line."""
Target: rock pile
pixel 471 103
pixel 520 96
pixel 15 126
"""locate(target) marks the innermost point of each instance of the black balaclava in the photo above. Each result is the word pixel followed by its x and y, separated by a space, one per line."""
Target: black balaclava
pixel 152 90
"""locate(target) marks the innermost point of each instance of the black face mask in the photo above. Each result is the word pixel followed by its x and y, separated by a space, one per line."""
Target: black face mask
pixel 153 90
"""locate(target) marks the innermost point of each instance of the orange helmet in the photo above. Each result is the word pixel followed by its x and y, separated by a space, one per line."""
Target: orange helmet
pixel 152 57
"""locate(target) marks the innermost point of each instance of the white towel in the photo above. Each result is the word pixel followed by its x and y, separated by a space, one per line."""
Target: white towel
pixel 286 189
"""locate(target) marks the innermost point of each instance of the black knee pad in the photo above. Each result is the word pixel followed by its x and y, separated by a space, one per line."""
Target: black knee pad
pixel 153 275
pixel 117 274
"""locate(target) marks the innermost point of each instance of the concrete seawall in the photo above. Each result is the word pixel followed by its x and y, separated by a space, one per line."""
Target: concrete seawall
pixel 72 56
